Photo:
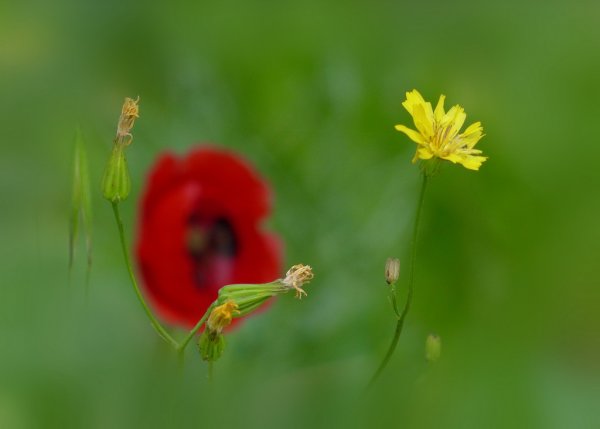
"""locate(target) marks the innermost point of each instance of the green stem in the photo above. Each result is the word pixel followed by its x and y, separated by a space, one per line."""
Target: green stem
pixel 393 301
pixel 210 371
pixel 411 276
pixel 195 329
pixel 155 323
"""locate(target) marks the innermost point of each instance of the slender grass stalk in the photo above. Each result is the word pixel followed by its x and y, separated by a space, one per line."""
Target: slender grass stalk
pixel 411 276
pixel 155 323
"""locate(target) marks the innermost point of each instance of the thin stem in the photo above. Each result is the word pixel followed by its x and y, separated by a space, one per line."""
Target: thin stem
pixel 411 276
pixel 393 301
pixel 210 371
pixel 195 329
pixel 155 323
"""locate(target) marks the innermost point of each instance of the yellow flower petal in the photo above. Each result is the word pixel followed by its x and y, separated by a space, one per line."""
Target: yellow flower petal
pixel 467 161
pixel 412 98
pixel 423 123
pixel 457 122
pixel 412 134
pixel 472 135
pixel 471 140
pixel 473 128
pixel 424 153
pixel 473 162
pixel 438 114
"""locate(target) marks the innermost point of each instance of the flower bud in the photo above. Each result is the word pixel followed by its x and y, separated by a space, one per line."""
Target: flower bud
pixel 433 348
pixel 392 270
pixel 211 345
pixel 116 183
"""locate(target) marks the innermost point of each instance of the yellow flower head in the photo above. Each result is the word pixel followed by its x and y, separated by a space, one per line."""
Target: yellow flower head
pixel 129 113
pixel 296 277
pixel 437 132
pixel 221 316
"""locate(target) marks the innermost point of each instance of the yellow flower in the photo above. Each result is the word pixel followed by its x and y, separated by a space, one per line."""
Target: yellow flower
pixel 437 132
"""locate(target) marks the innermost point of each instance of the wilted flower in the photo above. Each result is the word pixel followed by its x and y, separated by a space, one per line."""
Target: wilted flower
pixel 129 113
pixel 296 277
pixel 221 316
pixel 437 132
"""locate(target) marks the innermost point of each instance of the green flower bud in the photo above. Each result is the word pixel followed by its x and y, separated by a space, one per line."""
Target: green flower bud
pixel 433 348
pixel 116 183
pixel 211 345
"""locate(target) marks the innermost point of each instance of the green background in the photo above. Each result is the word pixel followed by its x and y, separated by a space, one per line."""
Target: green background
pixel 309 92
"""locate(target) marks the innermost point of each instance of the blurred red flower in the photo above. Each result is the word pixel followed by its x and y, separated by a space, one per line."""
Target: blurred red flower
pixel 199 230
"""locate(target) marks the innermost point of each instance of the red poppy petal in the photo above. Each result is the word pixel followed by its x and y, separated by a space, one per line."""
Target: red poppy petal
pixel 209 185
pixel 231 176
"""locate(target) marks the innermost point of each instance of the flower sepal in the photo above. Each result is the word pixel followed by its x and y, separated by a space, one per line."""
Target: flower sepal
pixel 430 167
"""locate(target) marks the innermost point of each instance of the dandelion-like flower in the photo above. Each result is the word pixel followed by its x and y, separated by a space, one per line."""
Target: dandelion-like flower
pixel 437 132
pixel 296 277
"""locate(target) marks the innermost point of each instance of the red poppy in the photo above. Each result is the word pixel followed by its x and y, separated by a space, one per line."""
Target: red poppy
pixel 200 230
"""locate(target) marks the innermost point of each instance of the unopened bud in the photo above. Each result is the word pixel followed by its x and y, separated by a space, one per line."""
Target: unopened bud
pixel 433 348
pixel 116 183
pixel 211 345
pixel 392 270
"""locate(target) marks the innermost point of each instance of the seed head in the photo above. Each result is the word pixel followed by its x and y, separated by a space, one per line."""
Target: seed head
pixel 296 277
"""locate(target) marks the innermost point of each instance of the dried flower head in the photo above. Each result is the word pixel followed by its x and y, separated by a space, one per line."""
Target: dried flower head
pixel 437 132
pixel 129 113
pixel 221 316
pixel 296 277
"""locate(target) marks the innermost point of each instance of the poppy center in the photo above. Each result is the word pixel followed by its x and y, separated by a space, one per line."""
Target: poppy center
pixel 212 247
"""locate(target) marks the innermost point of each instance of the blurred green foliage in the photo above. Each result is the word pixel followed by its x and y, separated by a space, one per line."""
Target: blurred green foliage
pixel 309 91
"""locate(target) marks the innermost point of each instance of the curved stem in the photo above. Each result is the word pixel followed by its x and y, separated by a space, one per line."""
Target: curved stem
pixel 155 323
pixel 411 276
